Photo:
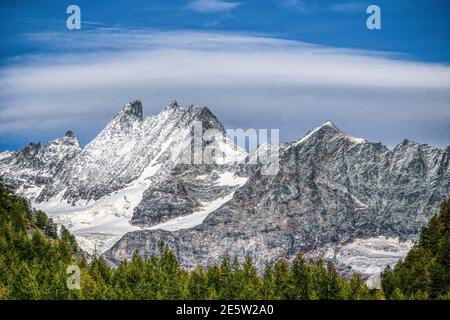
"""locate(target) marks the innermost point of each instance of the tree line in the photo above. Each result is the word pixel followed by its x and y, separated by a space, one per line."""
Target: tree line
pixel 34 258
pixel 425 272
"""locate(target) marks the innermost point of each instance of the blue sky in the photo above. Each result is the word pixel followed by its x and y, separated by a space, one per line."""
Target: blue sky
pixel 418 28
pixel 407 98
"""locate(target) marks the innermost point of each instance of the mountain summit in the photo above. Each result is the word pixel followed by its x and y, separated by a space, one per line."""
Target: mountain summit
pixel 133 108
pixel 327 131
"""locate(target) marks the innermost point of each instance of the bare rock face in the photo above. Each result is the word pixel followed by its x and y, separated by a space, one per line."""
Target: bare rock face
pixel 332 193
pixel 184 192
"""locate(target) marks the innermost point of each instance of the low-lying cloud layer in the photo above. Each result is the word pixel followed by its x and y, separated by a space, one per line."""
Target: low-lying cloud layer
pixel 249 81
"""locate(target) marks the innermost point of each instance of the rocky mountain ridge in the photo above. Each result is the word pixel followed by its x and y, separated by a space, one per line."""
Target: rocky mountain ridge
pixel 333 195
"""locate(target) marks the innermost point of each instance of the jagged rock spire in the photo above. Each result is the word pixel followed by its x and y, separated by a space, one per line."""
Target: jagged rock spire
pixel 172 105
pixel 133 108
pixel 69 134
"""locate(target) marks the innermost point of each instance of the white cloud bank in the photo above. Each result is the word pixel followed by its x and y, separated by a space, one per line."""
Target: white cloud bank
pixel 248 81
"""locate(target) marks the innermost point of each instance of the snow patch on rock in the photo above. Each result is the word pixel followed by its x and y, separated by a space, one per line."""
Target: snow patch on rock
pixel 369 256
pixel 231 179
pixel 195 218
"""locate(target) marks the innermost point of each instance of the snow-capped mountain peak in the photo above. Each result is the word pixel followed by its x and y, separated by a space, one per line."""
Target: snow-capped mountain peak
pixel 326 132
pixel 29 170
pixel 127 172
pixel 329 123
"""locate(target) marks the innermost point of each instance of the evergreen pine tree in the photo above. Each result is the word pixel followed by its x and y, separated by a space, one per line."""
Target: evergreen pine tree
pixel 302 278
